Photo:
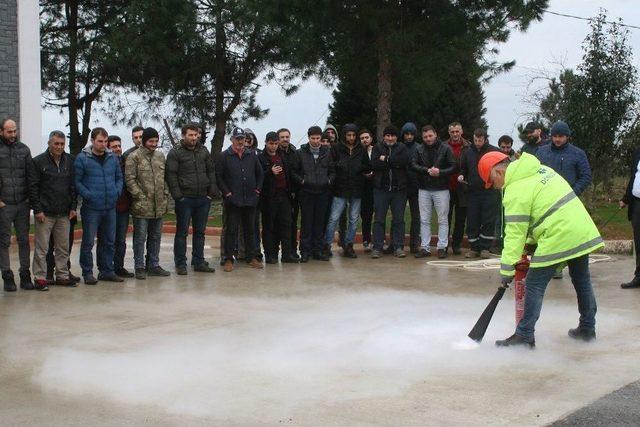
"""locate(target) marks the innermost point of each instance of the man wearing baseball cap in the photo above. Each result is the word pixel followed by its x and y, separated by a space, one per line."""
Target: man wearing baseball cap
pixel 537 204
pixel 533 134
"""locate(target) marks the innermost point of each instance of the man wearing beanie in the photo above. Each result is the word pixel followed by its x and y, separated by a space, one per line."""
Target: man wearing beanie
pixel 390 162
pixel 351 163
pixel 98 179
pixel 409 133
pixel 144 177
pixel 192 183
pixel 239 176
pixel 566 159
pixel 314 176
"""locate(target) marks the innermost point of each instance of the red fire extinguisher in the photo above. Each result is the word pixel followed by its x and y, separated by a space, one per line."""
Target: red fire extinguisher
pixel 522 267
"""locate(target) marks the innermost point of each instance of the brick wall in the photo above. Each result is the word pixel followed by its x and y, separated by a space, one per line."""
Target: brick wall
pixel 9 85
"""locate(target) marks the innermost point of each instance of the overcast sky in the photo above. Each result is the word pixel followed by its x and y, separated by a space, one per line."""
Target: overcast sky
pixel 547 43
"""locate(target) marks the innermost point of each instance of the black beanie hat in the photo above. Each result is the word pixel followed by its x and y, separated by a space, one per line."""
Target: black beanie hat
pixel 149 133
pixel 350 127
pixel 271 136
pixel 314 130
pixel 390 130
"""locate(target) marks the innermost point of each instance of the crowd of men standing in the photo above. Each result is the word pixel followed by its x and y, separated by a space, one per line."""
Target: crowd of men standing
pixel 331 182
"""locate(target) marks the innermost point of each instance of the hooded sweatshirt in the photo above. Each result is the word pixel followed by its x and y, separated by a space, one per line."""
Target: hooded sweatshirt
pixel 412 180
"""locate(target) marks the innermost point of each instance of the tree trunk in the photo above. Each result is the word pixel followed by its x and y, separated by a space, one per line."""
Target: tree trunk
pixel 220 61
pixel 75 139
pixel 383 110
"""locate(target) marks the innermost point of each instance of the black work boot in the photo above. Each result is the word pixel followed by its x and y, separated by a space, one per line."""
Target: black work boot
pixel 516 340
pixel 582 333
pixel 349 252
pixel 635 283
pixel 25 281
pixel 9 281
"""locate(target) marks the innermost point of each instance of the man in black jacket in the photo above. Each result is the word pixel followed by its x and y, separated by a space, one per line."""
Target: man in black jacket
pixel 275 201
pixel 433 164
pixel 390 162
pixel 631 199
pixel 351 163
pixel 16 166
pixel 290 156
pixel 54 203
pixel 239 175
pixel 191 178
pixel 314 177
pixel 483 205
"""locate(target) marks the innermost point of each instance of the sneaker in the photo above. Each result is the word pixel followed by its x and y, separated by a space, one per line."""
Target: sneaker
pixel 41 285
pixel 635 283
pixel 110 278
pixel 228 266
pixel 123 272
pixel 442 253
pixel 516 340
pixel 485 254
pixel 181 270
pixel 422 253
pixel 61 281
pixel 25 281
pixel 203 268
pixel 367 247
pixel 399 253
pixel 158 271
pixel 9 281
pixel 375 254
pixel 90 280
pixel 581 333
pixel 472 254
pixel 141 274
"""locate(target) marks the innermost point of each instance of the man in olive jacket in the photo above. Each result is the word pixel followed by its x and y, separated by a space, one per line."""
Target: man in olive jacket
pixel 191 179
pixel 144 176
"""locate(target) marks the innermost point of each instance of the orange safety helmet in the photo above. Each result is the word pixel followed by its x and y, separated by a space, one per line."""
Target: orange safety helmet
pixel 487 162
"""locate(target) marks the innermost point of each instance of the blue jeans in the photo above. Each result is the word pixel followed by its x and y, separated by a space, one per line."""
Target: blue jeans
pixel 428 200
pixel 195 210
pixel 382 199
pixel 337 207
pixel 537 281
pixel 146 232
pixel 100 224
pixel 122 226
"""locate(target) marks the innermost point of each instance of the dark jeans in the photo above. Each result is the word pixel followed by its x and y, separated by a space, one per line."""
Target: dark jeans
pixel 295 213
pixel 314 211
pixel 100 224
pixel 635 224
pixel 536 283
pixel 122 225
pixel 146 232
pixel 18 217
pixel 482 209
pixel 414 231
pixel 382 200
pixel 235 215
pixel 194 210
pixel 366 213
pixel 276 225
pixel 460 218
pixel 51 260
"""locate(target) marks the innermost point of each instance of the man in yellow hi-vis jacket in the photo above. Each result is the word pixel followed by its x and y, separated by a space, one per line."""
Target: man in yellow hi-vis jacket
pixel 540 208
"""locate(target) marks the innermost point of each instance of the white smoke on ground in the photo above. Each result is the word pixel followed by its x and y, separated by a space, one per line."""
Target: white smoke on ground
pixel 276 355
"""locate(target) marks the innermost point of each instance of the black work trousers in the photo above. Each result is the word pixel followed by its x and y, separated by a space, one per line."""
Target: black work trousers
pixel 276 225
pixel 234 216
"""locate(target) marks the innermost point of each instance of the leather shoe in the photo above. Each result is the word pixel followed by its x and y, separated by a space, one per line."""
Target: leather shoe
pixel 635 283
pixel 515 341
pixel 581 333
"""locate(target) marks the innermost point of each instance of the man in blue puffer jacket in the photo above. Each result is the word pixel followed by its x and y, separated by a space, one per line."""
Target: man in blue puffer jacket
pixel 568 160
pixel 565 158
pixel 98 179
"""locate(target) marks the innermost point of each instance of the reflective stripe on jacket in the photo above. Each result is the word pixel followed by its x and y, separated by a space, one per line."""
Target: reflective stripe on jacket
pixel 540 207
